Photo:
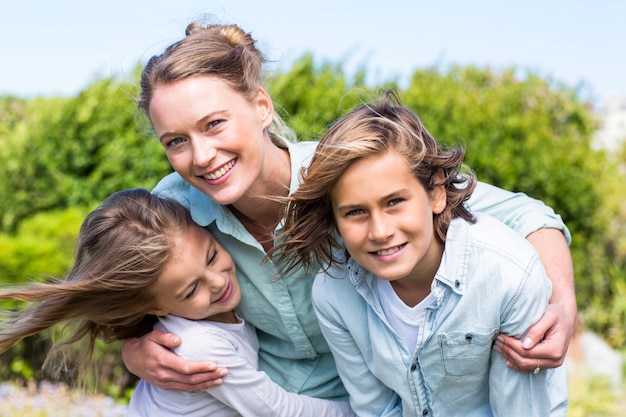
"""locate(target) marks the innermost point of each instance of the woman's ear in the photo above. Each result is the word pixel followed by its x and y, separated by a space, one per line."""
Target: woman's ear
pixel 265 107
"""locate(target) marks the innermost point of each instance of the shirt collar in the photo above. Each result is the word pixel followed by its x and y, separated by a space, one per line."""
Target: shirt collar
pixel 452 271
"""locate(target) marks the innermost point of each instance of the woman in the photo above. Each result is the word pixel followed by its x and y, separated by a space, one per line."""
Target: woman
pixel 231 152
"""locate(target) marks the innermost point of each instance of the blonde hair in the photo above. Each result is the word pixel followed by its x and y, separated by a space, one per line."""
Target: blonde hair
pixel 222 51
pixel 121 251
pixel 308 237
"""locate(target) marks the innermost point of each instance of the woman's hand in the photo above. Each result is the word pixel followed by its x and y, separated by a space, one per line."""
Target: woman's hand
pixel 150 358
pixel 544 346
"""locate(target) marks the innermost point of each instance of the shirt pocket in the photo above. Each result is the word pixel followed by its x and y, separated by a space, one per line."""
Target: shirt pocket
pixel 466 353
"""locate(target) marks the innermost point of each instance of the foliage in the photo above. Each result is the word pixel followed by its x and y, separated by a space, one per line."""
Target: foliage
pixel 594 397
pixel 310 97
pixel 74 151
pixel 43 247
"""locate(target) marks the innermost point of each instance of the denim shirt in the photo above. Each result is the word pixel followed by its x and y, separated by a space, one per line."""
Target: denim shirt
pixel 490 281
pixel 293 351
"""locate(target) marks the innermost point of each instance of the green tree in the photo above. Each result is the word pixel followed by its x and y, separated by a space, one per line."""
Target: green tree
pixel 75 151
pixel 309 97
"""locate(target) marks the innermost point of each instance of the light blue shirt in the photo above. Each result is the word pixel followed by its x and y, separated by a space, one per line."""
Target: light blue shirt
pixel 490 281
pixel 292 349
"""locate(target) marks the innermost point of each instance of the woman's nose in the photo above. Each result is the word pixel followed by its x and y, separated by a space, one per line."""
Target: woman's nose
pixel 203 152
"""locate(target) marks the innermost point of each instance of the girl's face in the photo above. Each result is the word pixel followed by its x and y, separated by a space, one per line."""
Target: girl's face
pixel 213 135
pixel 199 280
pixel 385 218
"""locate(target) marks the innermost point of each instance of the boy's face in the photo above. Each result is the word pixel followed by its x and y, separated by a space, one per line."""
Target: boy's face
pixel 385 218
pixel 199 280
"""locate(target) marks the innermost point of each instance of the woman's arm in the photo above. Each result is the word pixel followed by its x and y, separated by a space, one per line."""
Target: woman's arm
pixel 548 234
pixel 150 358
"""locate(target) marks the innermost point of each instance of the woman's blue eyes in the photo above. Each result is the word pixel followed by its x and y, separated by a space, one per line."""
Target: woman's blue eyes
pixel 209 126
pixel 174 142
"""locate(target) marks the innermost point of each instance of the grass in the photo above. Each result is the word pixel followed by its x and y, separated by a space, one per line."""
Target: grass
pixel 50 400
pixel 589 397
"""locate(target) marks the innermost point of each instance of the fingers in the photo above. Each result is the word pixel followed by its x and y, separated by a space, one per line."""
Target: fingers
pixel 523 360
pixel 541 329
pixel 191 382
pixel 167 340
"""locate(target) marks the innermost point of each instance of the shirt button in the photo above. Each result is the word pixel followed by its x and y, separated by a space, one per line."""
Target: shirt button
pixel 457 284
pixel 413 367
pixel 295 328
pixel 425 412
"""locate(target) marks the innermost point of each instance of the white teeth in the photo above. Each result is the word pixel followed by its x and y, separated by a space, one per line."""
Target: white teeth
pixel 223 170
pixel 387 251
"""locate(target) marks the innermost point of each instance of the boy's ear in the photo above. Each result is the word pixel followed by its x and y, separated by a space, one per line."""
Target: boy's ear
pixel 438 195
pixel 439 199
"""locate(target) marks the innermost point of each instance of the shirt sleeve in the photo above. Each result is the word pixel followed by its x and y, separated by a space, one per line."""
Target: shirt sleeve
pixel 252 392
pixel 517 210
pixel 511 391
pixel 369 397
pixel 173 186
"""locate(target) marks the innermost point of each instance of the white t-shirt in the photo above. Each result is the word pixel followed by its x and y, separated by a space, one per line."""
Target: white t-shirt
pixel 403 319
pixel 245 390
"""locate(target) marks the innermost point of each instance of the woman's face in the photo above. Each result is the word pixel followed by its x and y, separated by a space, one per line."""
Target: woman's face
pixel 213 135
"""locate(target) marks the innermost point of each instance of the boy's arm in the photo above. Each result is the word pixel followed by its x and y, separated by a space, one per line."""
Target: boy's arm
pixel 546 231
pixel 556 327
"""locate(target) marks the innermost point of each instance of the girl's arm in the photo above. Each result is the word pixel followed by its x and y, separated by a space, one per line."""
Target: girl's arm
pixel 246 389
pixel 548 234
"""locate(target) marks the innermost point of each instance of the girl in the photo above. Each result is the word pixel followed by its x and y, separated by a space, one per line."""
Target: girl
pixel 414 303
pixel 139 256
pixel 216 122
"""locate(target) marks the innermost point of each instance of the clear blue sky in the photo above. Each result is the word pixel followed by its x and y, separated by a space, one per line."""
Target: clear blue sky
pixel 58 47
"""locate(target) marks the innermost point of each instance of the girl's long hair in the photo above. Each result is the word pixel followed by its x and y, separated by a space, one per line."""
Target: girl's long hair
pixel 121 250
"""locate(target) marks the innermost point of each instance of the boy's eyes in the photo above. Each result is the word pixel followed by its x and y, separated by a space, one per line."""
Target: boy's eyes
pixel 355 212
pixel 390 203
